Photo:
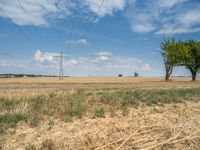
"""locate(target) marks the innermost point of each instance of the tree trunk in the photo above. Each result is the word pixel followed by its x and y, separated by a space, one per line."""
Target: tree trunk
pixel 194 74
pixel 167 76
pixel 168 72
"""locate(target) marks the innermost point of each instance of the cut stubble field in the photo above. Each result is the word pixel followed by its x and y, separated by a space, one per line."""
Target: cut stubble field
pixel 95 82
pixel 99 113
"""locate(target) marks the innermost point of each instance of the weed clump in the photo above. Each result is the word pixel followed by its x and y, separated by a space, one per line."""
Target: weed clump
pixel 8 103
pixel 52 95
pixel 10 120
pixel 100 113
pixel 34 121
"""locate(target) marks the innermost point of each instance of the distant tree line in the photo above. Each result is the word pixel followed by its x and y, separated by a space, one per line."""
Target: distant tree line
pixel 10 75
pixel 181 53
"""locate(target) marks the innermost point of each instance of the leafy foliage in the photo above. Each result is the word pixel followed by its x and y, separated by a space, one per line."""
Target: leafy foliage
pixel 193 60
pixel 179 53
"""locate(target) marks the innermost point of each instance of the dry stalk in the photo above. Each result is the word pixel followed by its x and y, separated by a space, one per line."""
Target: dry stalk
pixel 133 134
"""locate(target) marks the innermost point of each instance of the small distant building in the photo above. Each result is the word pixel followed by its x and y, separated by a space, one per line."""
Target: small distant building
pixel 120 75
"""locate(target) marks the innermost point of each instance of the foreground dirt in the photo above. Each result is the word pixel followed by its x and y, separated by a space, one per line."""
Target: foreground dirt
pixel 172 126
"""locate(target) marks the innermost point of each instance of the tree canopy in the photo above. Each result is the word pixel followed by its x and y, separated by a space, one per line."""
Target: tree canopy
pixel 181 53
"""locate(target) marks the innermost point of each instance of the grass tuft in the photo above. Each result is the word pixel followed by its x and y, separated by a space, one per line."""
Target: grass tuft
pixel 34 121
pixel 9 121
pixel 30 147
pixel 99 112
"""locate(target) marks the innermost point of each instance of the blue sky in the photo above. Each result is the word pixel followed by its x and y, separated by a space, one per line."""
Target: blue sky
pixel 99 38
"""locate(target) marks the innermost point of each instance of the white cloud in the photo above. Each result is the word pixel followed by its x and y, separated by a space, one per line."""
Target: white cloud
pixel 107 64
pixel 101 61
pixel 102 56
pixel 168 30
pixel 38 11
pixel 186 22
pixel 108 7
pixel 46 57
pixel 103 53
pixel 142 28
pixel 14 63
pixel 169 3
pixel 190 18
pixel 146 67
pixel 73 61
pixel 77 42
pixel 165 16
pixel 42 12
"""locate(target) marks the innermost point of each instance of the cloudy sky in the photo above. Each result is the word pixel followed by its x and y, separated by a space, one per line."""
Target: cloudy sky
pixel 97 37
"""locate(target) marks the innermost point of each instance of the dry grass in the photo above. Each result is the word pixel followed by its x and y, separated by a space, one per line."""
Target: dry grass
pixel 165 117
pixel 175 127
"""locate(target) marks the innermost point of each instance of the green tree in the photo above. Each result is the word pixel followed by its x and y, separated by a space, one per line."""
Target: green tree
pixel 193 60
pixel 136 74
pixel 174 54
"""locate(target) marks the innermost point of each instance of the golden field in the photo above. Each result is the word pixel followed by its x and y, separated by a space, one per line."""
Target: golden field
pixel 79 82
pixel 99 113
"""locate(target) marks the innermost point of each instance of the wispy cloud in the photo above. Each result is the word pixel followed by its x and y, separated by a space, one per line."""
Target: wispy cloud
pixel 108 7
pixel 77 42
pixel 42 12
pixel 165 17
pixel 143 28
pixel 38 10
pixel 15 63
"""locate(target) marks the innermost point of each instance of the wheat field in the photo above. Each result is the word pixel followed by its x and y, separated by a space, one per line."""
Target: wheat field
pixel 99 113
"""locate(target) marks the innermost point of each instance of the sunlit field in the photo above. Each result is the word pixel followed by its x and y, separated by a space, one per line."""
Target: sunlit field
pixel 99 113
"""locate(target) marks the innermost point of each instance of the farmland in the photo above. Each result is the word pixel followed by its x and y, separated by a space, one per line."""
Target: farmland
pixel 99 113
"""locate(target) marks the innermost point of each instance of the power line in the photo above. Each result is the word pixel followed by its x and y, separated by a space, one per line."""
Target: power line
pixel 91 23
pixel 35 29
pixel 18 28
pixel 61 57
pixel 73 21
